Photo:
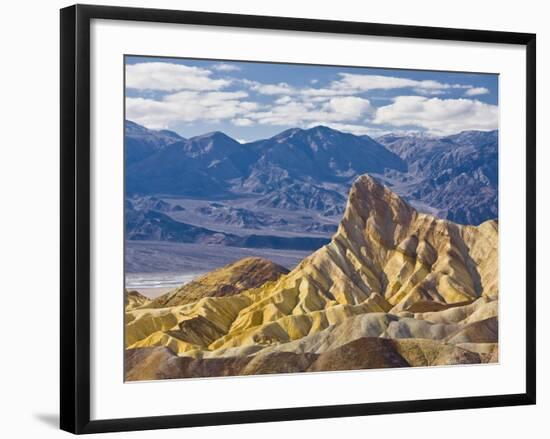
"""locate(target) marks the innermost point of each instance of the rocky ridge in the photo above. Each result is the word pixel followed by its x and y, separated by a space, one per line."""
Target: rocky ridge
pixel 232 279
pixel 134 299
pixel 454 176
pixel 393 288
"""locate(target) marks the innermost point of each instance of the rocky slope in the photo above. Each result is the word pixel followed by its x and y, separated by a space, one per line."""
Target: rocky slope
pixel 154 225
pixel 141 142
pixel 226 281
pixel 363 353
pixel 290 169
pixel 134 299
pixel 457 175
pixel 454 176
pixel 152 203
pixel 393 288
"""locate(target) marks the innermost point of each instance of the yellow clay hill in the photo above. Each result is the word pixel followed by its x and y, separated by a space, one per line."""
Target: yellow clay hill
pixel 393 288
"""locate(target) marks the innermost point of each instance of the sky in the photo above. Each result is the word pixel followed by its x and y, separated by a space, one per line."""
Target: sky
pixel 253 100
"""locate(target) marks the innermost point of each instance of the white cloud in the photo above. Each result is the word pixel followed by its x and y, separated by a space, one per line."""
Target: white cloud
pixel 188 106
pixel 361 83
pixel 349 107
pixel 283 100
pixel 305 113
pixel 242 122
pixel 324 92
pixel 150 113
pixel 165 76
pixel 195 95
pixel 281 88
pixel 318 98
pixel 249 106
pixel 428 92
pixel 291 113
pixel 208 99
pixel 351 81
pixel 475 91
pixel 438 116
pixel 225 67
pixel 353 84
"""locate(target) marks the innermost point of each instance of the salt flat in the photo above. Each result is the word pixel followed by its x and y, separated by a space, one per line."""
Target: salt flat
pixel 157 264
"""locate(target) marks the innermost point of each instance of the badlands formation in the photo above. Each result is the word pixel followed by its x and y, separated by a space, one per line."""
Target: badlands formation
pixel 393 288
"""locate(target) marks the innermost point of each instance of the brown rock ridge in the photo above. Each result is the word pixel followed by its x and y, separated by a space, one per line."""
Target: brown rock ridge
pixel 229 280
pixel 364 353
pixel 384 246
pixel 134 299
pixel 428 286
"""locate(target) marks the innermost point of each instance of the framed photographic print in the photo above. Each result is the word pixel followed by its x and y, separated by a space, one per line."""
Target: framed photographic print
pixel 304 218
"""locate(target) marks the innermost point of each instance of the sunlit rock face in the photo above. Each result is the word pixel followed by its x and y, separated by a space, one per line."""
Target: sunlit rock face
pixel 393 288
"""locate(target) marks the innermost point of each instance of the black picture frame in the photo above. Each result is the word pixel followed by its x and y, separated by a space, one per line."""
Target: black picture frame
pixel 75 217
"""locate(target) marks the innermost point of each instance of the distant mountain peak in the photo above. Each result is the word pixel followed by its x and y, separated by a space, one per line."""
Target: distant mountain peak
pixel 476 132
pixel 319 130
pixel 287 133
pixel 141 142
pixel 323 129
pixel 474 136
pixel 421 135
pixel 130 123
pixel 134 128
pixel 424 135
pixel 214 135
pixel 455 177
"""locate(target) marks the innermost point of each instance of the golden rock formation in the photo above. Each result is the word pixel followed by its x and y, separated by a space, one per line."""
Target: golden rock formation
pixel 134 299
pixel 421 289
pixel 226 281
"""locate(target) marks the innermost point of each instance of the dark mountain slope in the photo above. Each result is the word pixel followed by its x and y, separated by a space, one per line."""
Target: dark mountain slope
pixel 151 225
pixel 214 164
pixel 317 156
pixel 200 166
pixel 456 175
pixel 141 142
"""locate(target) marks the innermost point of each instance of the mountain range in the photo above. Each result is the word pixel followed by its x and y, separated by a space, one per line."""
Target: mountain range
pixel 394 288
pixel 154 225
pixel 455 177
pixel 141 142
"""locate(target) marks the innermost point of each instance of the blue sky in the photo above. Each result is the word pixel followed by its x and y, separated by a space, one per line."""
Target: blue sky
pixel 251 100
